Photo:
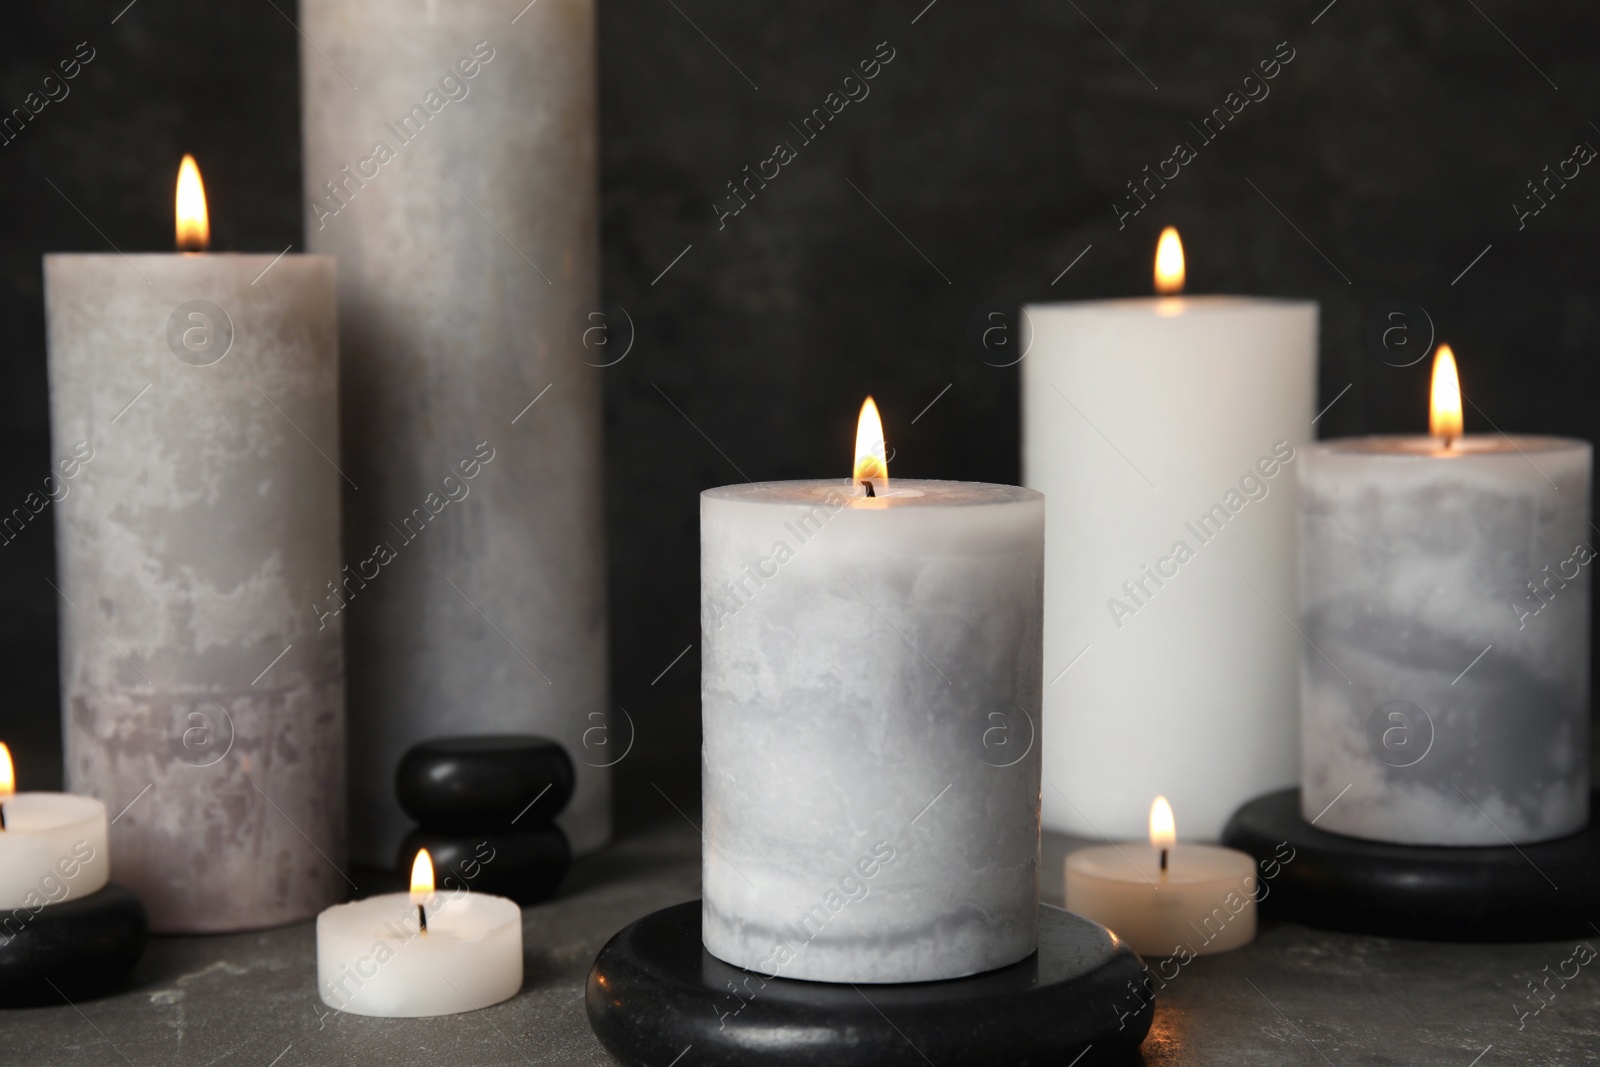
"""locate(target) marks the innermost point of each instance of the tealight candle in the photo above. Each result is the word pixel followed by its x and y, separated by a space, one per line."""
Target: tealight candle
pixel 52 845
pixel 421 953
pixel 1167 899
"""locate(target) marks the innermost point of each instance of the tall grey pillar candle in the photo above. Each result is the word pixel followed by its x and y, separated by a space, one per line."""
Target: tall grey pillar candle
pixel 1445 600
pixel 450 163
pixel 194 417
pixel 870 693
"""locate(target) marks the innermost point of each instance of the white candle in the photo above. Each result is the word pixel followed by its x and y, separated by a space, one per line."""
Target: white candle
pixel 53 846
pixel 1166 899
pixel 1163 433
pixel 375 958
pixel 1445 693
pixel 870 692
pixel 197 526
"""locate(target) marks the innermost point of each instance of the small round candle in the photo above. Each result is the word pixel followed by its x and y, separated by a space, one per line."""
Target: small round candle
pixel 52 847
pixel 1166 899
pixel 418 954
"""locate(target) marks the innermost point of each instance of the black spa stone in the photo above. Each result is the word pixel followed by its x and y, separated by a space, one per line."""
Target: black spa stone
pixel 493 783
pixel 72 950
pixel 526 867
pixel 654 992
pixel 1535 892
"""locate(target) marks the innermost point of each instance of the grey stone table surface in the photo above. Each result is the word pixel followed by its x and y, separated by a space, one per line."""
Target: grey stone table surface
pixel 1296 996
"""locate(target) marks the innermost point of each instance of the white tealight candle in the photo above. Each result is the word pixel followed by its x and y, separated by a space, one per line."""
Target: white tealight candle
pixel 52 848
pixel 1166 900
pixel 870 692
pixel 417 954
pixel 1445 606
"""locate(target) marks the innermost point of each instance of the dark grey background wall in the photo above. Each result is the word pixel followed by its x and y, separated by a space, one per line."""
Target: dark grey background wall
pixel 988 156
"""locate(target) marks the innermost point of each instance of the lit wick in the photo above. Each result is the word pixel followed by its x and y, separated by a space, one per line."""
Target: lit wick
pixel 1444 407
pixel 422 886
pixel 868 487
pixel 8 782
pixel 1163 831
pixel 422 913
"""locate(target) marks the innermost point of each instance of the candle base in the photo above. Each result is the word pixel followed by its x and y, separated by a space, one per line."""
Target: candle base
pixel 654 990
pixel 64 952
pixel 1533 892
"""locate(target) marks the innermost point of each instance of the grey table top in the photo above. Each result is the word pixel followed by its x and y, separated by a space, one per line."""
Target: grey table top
pixel 1296 996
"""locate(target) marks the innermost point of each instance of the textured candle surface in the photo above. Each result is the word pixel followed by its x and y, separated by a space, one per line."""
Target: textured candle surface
pixel 1164 434
pixel 871 700
pixel 451 165
pixel 194 418
pixel 1445 687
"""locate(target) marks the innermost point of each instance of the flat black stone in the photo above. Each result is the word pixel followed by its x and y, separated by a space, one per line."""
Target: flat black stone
pixel 527 867
pixel 485 784
pixel 654 991
pixel 82 947
pixel 1537 892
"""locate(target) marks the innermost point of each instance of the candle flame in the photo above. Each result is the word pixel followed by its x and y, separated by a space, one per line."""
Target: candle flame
pixel 1163 831
pixel 872 463
pixel 8 774
pixel 1169 263
pixel 1444 408
pixel 421 877
pixel 194 224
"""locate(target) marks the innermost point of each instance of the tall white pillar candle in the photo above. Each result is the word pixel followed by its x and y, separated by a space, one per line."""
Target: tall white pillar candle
pixel 1162 433
pixel 870 693
pixel 451 164
pixel 196 398
pixel 1445 692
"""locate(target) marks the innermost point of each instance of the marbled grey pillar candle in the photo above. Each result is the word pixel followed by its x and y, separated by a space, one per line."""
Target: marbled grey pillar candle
pixel 870 693
pixel 1445 607
pixel 194 417
pixel 451 164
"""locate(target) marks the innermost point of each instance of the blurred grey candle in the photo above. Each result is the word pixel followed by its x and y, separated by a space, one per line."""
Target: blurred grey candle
pixel 1445 607
pixel 450 164
pixel 870 693
pixel 194 418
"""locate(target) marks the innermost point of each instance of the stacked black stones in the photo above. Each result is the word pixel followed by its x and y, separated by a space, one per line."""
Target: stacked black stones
pixel 485 808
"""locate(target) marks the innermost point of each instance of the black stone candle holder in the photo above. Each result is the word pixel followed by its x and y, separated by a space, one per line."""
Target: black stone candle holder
pixel 73 950
pixel 1535 892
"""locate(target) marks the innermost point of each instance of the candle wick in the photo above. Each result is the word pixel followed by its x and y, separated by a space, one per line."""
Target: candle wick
pixel 867 485
pixel 422 917
pixel 2 816
pixel 1163 863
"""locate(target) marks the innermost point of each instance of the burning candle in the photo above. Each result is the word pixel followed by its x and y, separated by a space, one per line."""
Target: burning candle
pixel 52 845
pixel 1161 431
pixel 870 693
pixel 1166 900
pixel 1445 605
pixel 197 527
pixel 419 953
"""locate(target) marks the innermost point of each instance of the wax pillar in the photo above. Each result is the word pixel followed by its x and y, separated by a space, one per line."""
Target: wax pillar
pixel 870 693
pixel 1163 433
pixel 194 422
pixel 450 163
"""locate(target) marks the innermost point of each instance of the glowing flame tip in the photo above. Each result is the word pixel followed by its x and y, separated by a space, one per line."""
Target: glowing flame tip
pixel 872 461
pixel 1169 263
pixel 194 224
pixel 1444 408
pixel 1163 831
pixel 421 876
